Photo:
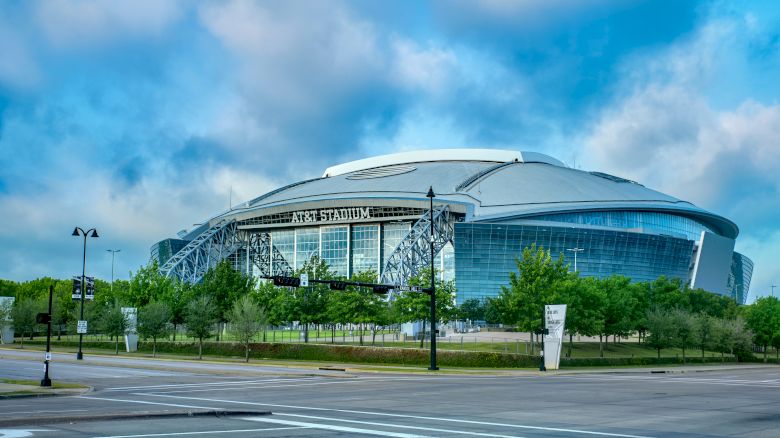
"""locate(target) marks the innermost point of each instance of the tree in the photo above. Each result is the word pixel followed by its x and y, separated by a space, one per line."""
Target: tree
pixel 153 322
pixel 224 285
pixel 763 319
pixel 705 328
pixel 64 306
pixel 309 305
pixel 114 323
pixel 472 309
pixel 200 319
pixel 416 306
pixel 23 315
pixel 5 315
pixel 585 302
pixel 684 328
pixel 522 303
pixel 176 298
pixel 246 320
pixel 619 308
pixel 732 336
pixel 660 326
pixel 147 285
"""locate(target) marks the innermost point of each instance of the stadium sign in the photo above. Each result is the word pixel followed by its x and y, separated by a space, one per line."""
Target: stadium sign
pixel 331 215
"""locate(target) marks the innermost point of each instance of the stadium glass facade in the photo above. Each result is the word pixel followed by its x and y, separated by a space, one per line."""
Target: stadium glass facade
pixel 486 253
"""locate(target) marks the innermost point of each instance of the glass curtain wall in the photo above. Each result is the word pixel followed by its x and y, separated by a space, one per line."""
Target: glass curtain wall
pixel 365 248
pixel 307 245
pixel 335 248
pixel 392 235
pixel 284 242
pixel 661 223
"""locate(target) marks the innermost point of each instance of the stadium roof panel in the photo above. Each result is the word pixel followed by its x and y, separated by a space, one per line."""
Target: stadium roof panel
pixel 484 155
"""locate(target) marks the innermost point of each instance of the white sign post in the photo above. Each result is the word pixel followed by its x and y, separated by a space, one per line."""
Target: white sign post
pixel 554 320
pixel 81 327
pixel 131 336
pixel 304 280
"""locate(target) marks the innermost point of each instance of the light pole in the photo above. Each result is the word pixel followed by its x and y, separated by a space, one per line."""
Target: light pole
pixel 773 290
pixel 113 252
pixel 78 231
pixel 575 250
pixel 433 366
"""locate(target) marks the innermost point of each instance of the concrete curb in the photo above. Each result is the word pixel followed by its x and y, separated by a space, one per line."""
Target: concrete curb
pixel 38 421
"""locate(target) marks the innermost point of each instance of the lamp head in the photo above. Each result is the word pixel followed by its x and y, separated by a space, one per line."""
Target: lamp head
pixel 430 193
pixel 75 231
pixel 94 233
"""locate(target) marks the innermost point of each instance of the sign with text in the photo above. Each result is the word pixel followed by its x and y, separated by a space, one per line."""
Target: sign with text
pixel 554 321
pixel 331 215
pixel 90 288
pixel 81 327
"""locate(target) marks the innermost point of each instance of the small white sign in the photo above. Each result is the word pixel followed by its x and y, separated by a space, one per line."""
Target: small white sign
pixel 47 356
pixel 304 280
pixel 81 327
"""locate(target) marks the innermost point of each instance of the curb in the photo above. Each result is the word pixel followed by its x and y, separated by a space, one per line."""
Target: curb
pixel 35 421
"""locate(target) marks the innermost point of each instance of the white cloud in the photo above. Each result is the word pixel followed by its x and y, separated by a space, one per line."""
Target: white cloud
pixel 68 23
pixel 423 69
pixel 663 130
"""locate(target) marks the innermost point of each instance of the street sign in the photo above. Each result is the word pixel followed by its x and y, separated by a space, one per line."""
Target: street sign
pixel 409 288
pixel 81 327
pixel 90 288
pixel 304 280
pixel 47 356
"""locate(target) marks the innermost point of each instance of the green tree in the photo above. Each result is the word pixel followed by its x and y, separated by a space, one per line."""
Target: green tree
pixel 246 320
pixel 619 309
pixel 309 305
pixel 472 309
pixel 147 285
pixel 200 319
pixel 23 314
pixel 267 297
pixel 732 336
pixel 176 298
pixel 705 331
pixel 154 322
pixel 684 328
pixel 585 303
pixel 224 285
pixel 63 307
pixel 660 326
pixel 114 323
pixel 533 286
pixel 416 306
pixel 763 319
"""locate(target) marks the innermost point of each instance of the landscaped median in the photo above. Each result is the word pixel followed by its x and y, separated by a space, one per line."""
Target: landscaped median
pixel 386 355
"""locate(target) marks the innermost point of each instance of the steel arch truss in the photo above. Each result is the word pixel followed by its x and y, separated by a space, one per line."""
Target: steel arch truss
pixel 414 251
pixel 192 262
pixel 265 257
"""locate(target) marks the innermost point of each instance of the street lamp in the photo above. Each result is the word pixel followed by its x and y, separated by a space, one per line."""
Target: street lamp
pixel 433 366
pixel 575 250
pixel 773 290
pixel 113 252
pixel 78 231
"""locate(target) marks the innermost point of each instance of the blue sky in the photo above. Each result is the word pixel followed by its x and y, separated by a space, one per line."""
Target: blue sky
pixel 140 117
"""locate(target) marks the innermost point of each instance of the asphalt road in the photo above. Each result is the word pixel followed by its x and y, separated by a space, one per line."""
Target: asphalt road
pixel 728 402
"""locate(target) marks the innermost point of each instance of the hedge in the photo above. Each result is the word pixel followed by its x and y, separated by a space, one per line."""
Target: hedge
pixel 376 355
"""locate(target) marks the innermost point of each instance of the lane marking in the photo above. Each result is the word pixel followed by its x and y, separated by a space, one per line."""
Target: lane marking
pixel 40 412
pixel 204 432
pixel 399 426
pixel 752 384
pixel 385 414
pixel 338 428
pixel 182 385
pixel 151 403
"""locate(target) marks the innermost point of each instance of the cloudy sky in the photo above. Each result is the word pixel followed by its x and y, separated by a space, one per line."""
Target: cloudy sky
pixel 138 117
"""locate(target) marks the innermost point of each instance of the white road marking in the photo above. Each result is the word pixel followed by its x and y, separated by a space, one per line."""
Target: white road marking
pixel 204 432
pixel 700 381
pixel 20 433
pixel 385 414
pixel 197 385
pixel 150 403
pixel 264 386
pixel 41 412
pixel 398 426
pixel 337 428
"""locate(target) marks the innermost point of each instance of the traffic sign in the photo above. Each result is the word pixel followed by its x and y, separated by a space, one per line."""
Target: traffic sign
pixel 409 288
pixel 81 327
pixel 47 356
pixel 304 280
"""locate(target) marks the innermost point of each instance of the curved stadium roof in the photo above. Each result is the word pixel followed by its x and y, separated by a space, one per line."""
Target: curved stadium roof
pixel 492 184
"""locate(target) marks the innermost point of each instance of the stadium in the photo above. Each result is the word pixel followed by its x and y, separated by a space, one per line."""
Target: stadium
pixel 374 214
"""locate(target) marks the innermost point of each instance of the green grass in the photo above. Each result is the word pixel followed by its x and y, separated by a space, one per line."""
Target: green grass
pixel 55 385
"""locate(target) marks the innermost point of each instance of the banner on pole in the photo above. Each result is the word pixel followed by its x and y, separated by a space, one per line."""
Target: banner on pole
pixel 554 321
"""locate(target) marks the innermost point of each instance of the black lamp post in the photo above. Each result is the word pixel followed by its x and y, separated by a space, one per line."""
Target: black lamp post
pixel 78 231
pixel 433 366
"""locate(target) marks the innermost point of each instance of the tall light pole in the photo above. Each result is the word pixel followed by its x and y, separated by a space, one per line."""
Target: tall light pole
pixel 433 366
pixel 773 290
pixel 575 250
pixel 78 231
pixel 113 252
